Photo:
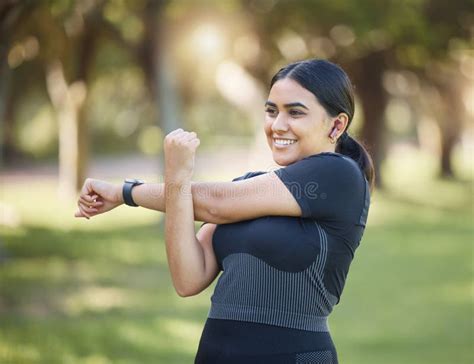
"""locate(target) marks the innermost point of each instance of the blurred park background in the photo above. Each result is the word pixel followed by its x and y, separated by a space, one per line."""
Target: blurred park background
pixel 89 88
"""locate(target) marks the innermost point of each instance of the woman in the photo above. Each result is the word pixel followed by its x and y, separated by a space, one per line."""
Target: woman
pixel 283 240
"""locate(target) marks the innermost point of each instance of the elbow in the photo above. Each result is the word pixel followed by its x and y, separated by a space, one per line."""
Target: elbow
pixel 215 215
pixel 220 211
pixel 210 207
pixel 185 292
pixel 181 292
pixel 186 288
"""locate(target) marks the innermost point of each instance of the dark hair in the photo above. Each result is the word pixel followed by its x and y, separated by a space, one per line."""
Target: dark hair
pixel 333 89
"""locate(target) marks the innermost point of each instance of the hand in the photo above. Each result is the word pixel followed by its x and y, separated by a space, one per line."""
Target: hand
pixel 180 149
pixel 97 197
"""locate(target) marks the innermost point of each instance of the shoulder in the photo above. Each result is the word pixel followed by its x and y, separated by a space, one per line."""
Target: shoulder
pixel 351 178
pixel 344 170
pixel 328 167
pixel 334 161
pixel 327 186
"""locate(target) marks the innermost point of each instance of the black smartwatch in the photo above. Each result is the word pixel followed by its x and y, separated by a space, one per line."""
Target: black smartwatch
pixel 128 185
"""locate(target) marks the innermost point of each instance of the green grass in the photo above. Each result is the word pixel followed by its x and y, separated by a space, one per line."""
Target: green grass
pixel 99 291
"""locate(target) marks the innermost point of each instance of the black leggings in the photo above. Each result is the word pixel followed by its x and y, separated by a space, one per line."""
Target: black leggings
pixel 238 342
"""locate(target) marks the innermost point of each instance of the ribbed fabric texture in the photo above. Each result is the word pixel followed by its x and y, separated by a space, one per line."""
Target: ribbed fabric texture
pixel 249 289
pixel 315 357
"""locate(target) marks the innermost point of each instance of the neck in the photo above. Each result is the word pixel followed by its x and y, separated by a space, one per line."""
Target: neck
pixel 328 148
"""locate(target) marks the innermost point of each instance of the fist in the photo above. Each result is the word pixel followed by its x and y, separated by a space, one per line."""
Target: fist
pixel 180 149
pixel 98 197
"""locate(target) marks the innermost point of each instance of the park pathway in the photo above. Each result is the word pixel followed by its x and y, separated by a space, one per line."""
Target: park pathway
pixel 225 163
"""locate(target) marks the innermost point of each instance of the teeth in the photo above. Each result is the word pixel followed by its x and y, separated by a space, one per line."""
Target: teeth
pixel 284 141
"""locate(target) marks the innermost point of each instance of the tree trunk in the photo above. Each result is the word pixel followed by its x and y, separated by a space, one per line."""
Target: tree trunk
pixel 67 102
pixel 369 87
pixel 447 145
pixel 444 104
pixel 11 15
pixel 8 151
pixel 450 124
pixel 84 58
pixel 154 55
pixel 159 67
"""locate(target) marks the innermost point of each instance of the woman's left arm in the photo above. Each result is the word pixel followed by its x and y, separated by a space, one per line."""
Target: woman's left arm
pixel 191 264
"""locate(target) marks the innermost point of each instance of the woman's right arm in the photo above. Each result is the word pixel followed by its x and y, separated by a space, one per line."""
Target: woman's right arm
pixel 213 202
pixel 314 187
pixel 97 197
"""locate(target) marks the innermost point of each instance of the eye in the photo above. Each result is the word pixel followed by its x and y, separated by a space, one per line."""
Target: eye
pixel 271 112
pixel 296 113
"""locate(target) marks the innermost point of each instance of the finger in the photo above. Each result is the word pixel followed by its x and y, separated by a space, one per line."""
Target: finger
pixel 186 138
pixel 88 198
pixel 83 202
pixel 86 187
pixel 90 211
pixel 94 204
pixel 190 136
pixel 88 208
pixel 83 212
pixel 195 142
pixel 181 136
pixel 79 213
pixel 174 136
pixel 176 131
pixel 90 203
pixel 87 214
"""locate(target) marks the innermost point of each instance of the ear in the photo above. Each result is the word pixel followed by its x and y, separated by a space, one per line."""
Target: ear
pixel 339 124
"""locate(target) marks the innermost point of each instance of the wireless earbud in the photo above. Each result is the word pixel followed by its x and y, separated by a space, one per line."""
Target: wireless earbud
pixel 333 132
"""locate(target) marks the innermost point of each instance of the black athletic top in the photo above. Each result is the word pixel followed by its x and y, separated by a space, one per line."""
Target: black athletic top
pixel 290 271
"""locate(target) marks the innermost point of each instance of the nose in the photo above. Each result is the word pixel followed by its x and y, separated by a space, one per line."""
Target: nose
pixel 279 124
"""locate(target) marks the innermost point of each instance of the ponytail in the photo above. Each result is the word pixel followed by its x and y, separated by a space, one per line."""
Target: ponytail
pixel 350 147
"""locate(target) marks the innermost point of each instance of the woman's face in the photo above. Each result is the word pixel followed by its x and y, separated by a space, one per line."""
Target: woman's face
pixel 296 125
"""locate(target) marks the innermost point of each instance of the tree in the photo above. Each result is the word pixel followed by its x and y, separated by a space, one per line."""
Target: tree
pixel 12 14
pixel 69 97
pixel 368 38
pixel 68 35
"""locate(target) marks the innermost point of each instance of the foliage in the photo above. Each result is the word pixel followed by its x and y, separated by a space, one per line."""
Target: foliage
pixel 413 33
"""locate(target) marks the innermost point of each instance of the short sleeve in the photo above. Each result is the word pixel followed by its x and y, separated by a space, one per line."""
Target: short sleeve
pixel 248 175
pixel 327 186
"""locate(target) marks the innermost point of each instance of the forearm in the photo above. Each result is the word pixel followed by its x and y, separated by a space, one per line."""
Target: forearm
pixel 205 196
pixel 185 255
pixel 150 196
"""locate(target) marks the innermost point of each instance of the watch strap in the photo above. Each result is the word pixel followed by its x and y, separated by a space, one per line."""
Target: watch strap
pixel 127 191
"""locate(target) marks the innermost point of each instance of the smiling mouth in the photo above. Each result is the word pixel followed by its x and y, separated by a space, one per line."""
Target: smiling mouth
pixel 283 142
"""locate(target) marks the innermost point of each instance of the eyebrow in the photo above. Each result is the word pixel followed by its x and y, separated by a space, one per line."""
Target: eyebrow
pixel 287 106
